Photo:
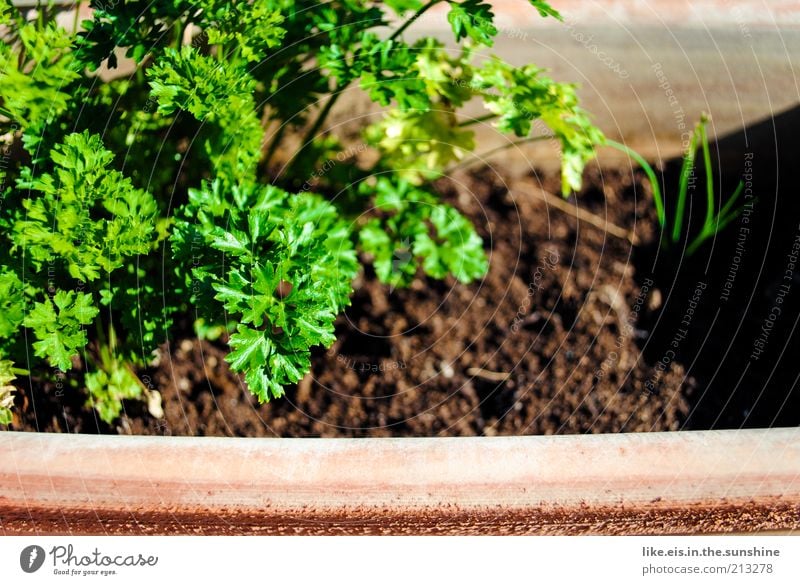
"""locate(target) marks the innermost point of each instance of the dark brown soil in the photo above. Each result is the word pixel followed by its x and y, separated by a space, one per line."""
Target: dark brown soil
pixel 549 342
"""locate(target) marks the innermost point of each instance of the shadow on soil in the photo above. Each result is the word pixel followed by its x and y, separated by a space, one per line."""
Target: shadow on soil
pixel 730 311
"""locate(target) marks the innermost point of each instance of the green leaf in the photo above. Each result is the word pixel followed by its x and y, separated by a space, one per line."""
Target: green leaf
pixel 419 145
pixel 110 384
pixel 58 326
pixel 454 249
pixel 218 93
pixel 267 366
pixel 545 9
pixel 473 19
pixel 521 95
pixel 234 242
pixel 87 216
pixel 387 73
pixel 287 272
pixel 250 349
pixel 12 303
pixel 197 83
pixel 403 6
pixel 396 242
pixel 251 27
pixel 36 77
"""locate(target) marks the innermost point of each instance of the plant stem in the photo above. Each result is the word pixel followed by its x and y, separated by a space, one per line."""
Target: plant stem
pixel 323 115
pixel 75 18
pixel 725 211
pixel 178 29
pixel 718 222
pixel 687 168
pixel 696 243
pixel 651 176
pixel 273 145
pixel 411 20
pixel 479 157
pixel 709 221
pixel 312 132
pixel 478 120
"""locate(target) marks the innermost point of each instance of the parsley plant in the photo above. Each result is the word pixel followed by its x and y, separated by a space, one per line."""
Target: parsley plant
pixel 133 201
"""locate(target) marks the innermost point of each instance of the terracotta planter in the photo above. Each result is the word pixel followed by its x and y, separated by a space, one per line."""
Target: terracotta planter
pixel 688 482
pixel 731 58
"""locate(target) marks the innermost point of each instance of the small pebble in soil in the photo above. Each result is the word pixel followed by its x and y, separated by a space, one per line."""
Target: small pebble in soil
pixel 447 370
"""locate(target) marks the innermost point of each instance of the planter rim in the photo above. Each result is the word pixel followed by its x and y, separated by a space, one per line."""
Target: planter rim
pixel 682 482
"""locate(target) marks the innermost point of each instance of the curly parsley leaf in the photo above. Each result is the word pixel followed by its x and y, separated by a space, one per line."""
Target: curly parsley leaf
pixel 519 96
pixel 275 251
pixel 402 239
pixel 251 27
pixel 419 145
pixel 85 215
pixel 58 324
pixel 455 247
pixel 545 9
pixel 472 19
pixel 403 6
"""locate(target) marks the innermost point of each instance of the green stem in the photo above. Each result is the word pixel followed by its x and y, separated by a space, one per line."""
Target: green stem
pixel 709 221
pixel 273 145
pixel 478 120
pixel 323 115
pixel 18 16
pixel 651 176
pixel 182 25
pixel 312 132
pixel 75 18
pixel 411 20
pixel 723 214
pixel 696 243
pixel 718 222
pixel 480 157
pixel 686 170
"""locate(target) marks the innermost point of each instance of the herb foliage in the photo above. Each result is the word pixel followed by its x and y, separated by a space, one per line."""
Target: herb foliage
pixel 137 200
